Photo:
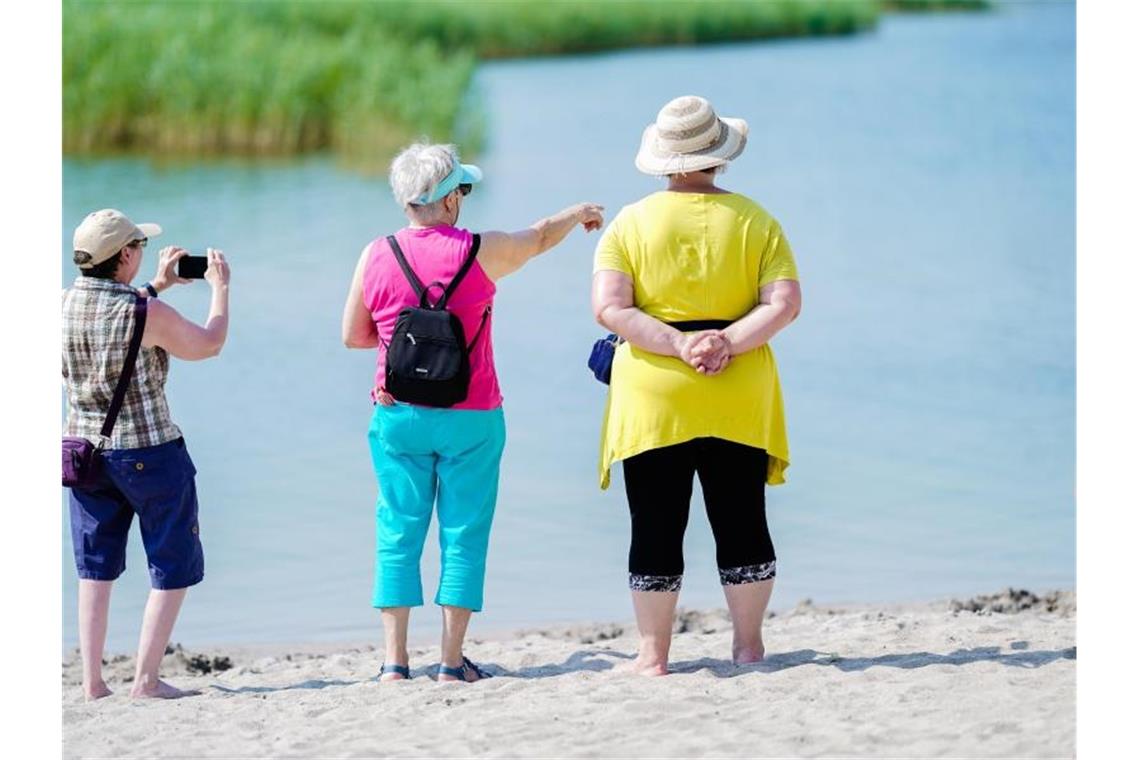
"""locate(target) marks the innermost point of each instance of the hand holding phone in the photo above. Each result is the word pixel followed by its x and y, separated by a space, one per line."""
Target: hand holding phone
pixel 217 269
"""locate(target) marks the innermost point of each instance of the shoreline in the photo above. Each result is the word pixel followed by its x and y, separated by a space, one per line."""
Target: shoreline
pixel 915 680
pixel 427 636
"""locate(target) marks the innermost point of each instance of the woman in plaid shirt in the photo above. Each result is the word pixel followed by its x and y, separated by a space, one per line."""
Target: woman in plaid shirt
pixel 144 468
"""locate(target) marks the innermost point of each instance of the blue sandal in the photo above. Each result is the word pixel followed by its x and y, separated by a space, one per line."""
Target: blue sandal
pixel 462 671
pixel 399 669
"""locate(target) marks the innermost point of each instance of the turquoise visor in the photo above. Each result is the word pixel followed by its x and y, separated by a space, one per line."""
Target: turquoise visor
pixel 462 174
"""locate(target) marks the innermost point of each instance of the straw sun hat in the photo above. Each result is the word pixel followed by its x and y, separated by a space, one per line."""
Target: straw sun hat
pixel 688 136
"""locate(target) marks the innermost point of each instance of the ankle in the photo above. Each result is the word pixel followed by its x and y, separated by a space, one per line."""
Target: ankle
pixel 145 682
pixel 396 656
pixel 653 652
pixel 749 650
pixel 94 689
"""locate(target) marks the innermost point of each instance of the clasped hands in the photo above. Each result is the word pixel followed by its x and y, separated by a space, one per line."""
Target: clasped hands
pixel 706 351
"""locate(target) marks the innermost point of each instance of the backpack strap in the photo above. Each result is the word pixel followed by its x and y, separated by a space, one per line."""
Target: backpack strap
pixel 482 324
pixel 417 284
pixel 128 369
pixel 414 281
pixel 463 270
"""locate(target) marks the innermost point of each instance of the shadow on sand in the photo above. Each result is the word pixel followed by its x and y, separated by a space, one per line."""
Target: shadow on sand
pixel 599 660
pixel 602 660
pixel 776 662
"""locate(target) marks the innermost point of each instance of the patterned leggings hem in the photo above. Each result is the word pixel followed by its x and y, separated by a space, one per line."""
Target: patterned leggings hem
pixel 639 582
pixel 729 576
pixel 735 576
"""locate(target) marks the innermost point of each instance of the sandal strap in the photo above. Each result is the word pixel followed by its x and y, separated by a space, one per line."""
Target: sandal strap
pixel 478 670
pixel 403 670
pixel 459 672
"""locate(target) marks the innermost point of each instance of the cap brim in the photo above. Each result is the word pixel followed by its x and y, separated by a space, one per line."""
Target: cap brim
pixel 470 174
pixel 150 229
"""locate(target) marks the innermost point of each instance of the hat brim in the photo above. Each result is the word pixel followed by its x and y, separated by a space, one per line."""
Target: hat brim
pixel 729 144
pixel 470 174
pixel 149 229
pixel 465 174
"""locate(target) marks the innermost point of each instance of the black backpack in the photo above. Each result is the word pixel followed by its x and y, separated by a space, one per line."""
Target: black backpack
pixel 428 359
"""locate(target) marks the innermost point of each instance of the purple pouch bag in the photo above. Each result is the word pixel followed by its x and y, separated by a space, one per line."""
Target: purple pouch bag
pixel 80 456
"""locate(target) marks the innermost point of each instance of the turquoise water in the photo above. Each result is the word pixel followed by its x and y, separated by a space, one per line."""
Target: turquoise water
pixel 925 176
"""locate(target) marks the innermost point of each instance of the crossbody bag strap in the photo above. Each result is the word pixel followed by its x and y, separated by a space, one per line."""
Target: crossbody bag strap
pixel 463 270
pixel 414 281
pixel 128 368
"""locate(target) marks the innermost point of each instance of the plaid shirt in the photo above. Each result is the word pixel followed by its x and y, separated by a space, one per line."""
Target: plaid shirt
pixel 98 317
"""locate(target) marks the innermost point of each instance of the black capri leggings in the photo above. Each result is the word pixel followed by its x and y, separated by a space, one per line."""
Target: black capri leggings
pixel 659 486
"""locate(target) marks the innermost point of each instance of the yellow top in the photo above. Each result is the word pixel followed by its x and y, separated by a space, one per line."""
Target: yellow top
pixel 694 256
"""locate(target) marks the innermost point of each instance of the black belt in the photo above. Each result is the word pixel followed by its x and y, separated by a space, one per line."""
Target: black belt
pixel 701 324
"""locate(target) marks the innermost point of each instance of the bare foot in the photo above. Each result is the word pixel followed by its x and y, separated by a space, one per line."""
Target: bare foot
pixel 160 690
pixel 643 667
pixel 748 655
pixel 97 691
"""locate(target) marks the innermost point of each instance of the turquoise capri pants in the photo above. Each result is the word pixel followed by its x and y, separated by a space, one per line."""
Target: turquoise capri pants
pixel 448 458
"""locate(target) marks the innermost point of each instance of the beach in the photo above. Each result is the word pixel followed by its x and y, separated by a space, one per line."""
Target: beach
pixel 989 676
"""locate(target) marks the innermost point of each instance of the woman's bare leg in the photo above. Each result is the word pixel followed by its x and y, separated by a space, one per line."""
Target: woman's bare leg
pixel 654 611
pixel 747 603
pixel 395 639
pixel 158 621
pixel 94 603
pixel 455 620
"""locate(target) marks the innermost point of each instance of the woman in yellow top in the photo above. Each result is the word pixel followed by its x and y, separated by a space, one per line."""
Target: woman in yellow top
pixel 697 280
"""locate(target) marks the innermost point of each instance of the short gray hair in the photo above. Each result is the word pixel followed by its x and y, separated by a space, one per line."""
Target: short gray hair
pixel 419 168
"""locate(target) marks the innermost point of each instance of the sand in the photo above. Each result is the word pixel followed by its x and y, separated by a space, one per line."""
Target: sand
pixel 988 677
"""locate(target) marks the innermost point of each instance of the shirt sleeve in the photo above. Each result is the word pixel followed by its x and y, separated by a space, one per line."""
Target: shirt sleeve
pixel 612 252
pixel 777 261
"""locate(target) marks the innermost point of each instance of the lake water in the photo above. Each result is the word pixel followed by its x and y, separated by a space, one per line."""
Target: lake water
pixel 925 176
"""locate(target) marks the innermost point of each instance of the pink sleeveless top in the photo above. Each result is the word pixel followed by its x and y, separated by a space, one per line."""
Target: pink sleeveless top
pixel 435 254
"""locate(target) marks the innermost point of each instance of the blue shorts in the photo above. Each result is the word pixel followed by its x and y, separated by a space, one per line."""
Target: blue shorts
pixel 157 484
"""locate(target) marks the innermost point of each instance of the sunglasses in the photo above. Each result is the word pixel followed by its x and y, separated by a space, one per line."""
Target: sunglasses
pixel 465 189
pixel 136 244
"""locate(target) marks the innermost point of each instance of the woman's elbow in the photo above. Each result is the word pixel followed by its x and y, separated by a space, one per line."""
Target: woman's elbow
pixel 212 349
pixel 352 340
pixel 601 314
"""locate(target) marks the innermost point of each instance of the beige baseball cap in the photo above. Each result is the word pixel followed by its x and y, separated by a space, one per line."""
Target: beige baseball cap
pixel 104 233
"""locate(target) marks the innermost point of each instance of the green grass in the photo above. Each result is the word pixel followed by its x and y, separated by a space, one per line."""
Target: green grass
pixel 936 5
pixel 359 78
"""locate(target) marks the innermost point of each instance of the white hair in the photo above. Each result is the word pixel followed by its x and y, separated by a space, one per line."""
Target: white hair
pixel 418 169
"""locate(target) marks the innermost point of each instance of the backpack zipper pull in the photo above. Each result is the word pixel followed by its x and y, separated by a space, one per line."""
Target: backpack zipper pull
pixel 412 338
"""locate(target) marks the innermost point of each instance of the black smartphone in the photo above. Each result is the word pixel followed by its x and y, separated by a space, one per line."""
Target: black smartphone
pixel 192 267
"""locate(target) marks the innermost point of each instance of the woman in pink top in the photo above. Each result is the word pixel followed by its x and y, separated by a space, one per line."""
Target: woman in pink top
pixel 426 457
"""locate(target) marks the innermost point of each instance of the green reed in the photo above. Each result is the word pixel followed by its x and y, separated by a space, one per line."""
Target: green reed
pixel 359 78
